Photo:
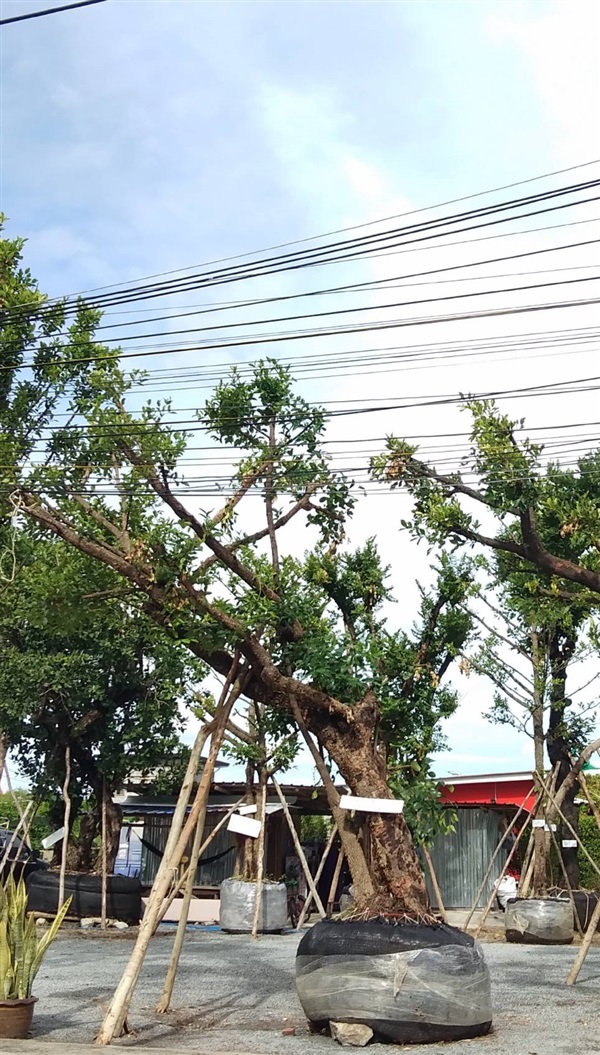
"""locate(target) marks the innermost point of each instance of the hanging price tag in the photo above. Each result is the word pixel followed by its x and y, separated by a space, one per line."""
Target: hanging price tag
pixel 569 844
pixel 538 824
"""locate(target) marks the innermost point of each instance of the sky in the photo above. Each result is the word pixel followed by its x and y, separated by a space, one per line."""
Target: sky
pixel 139 137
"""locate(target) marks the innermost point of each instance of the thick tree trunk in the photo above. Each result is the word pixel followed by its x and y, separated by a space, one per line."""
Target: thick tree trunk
pixel 562 647
pixel 395 870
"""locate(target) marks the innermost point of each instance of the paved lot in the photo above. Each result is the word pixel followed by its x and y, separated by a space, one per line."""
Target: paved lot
pixel 234 996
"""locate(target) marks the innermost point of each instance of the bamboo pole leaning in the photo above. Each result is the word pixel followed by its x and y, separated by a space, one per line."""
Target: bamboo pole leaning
pixel 228 697
pixel 335 880
pixel 318 875
pixel 490 900
pixel 260 856
pixel 300 851
pixel 180 883
pixel 434 883
pixel 66 821
pixel 594 920
pixel 488 873
pixel 179 834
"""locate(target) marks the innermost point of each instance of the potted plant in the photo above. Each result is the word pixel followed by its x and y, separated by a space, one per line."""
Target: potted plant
pixel 21 955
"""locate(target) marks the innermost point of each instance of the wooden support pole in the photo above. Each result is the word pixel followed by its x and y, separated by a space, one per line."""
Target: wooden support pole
pixel 104 858
pixel 21 824
pixel 494 856
pixel 260 858
pixel 575 834
pixel 218 729
pixel 67 818
pixel 178 886
pixel 501 876
pixel 117 1013
pixel 567 883
pixel 434 883
pixel 318 875
pixel 300 851
pixel 335 880
pixel 584 947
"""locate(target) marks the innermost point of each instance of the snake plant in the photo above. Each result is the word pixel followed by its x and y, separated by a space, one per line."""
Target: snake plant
pixel 21 950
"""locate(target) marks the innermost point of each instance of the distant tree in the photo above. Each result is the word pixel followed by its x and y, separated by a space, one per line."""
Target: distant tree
pixel 83 667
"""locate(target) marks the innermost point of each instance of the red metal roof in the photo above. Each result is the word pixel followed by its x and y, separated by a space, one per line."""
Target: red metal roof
pixel 493 789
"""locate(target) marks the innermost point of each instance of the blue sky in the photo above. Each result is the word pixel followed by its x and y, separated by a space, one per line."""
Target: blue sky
pixel 141 136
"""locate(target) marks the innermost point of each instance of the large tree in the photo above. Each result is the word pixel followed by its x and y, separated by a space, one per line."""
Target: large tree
pixel 219 580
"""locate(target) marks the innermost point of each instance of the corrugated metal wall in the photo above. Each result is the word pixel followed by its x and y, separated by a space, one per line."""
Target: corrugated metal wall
pixel 156 831
pixel 461 858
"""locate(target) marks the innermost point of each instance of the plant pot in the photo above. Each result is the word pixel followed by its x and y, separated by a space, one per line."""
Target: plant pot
pixel 238 901
pixel 15 1018
pixel 539 921
pixel 585 903
pixel 410 983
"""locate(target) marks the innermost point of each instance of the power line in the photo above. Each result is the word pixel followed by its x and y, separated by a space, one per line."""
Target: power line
pixel 349 249
pixel 51 11
pixel 354 227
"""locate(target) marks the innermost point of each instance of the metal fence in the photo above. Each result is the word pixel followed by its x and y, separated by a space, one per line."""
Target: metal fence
pixel 461 858
pixel 215 865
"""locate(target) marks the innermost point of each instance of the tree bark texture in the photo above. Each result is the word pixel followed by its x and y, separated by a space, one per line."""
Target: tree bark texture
pixel 562 648
pixel 395 870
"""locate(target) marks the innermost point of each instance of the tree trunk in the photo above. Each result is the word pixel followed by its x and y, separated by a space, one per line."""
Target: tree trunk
pixel 82 856
pixel 398 883
pixel 3 753
pixel 114 818
pixel 540 869
pixel 562 647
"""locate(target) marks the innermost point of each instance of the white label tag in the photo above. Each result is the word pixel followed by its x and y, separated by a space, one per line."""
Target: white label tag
pixel 355 802
pixel 538 824
pixel 569 843
pixel 244 826
pixel 549 827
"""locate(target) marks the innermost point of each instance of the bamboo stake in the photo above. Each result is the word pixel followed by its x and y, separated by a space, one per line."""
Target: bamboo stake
pixel 119 1006
pixel 528 868
pixel 260 871
pixel 104 857
pixel 494 856
pixel 67 818
pixel 300 851
pixel 181 881
pixel 15 834
pixel 318 874
pixel 222 713
pixel 569 826
pixel 501 876
pixel 335 880
pixel 434 883
pixel 584 947
pixel 567 882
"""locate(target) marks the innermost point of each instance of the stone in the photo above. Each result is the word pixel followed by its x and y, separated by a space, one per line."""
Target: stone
pixel 351 1034
pixel 41 922
pixel 87 922
pixel 289 1031
pixel 119 924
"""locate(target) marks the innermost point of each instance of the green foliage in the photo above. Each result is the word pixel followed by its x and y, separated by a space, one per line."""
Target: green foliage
pixel 590 837
pixel 21 951
pixel 84 666
pixel 314 829
pixel 9 815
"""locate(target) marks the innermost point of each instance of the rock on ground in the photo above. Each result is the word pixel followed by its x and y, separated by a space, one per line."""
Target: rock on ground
pixel 351 1034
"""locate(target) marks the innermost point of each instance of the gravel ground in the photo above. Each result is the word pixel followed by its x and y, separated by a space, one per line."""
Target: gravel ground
pixel 233 995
